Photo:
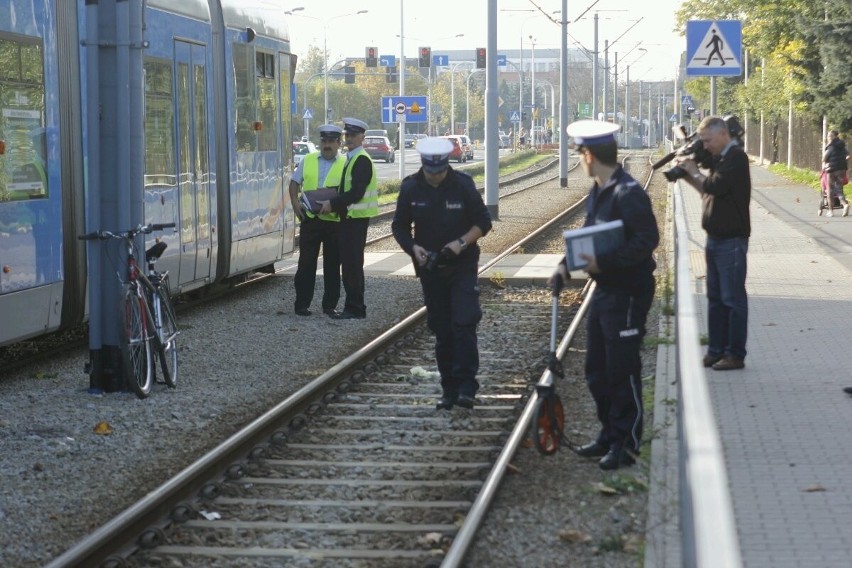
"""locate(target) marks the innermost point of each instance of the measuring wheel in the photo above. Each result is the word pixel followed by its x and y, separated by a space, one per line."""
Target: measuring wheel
pixel 549 420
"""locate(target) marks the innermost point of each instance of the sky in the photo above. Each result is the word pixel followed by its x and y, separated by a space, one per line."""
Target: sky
pixel 435 23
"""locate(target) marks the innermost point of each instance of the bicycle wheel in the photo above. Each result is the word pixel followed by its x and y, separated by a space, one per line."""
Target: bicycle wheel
pixel 168 338
pixel 549 422
pixel 135 340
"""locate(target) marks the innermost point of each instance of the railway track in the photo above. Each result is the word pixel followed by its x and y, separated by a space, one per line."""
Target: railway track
pixel 355 469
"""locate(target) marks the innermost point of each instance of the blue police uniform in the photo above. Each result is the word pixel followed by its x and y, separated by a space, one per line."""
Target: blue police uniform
pixel 440 215
pixel 619 308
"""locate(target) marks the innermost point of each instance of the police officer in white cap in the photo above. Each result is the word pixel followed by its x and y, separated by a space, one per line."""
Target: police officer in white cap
pixel 356 202
pixel 448 216
pixel 318 170
pixel 622 296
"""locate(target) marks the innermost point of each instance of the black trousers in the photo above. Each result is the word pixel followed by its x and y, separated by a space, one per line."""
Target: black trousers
pixel 616 327
pixel 451 295
pixel 314 233
pixel 352 237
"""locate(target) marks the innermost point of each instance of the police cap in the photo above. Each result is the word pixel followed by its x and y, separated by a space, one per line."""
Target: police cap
pixel 592 132
pixel 434 154
pixel 330 132
pixel 354 126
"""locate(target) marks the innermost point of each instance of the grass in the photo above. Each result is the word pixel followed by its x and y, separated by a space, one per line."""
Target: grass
pixel 803 176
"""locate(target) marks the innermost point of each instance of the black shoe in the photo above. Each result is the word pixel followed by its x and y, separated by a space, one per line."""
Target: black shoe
pixel 446 401
pixel 304 312
pixel 330 312
pixel 616 458
pixel 591 450
pixel 344 315
pixel 710 360
pixel 465 401
pixel 848 390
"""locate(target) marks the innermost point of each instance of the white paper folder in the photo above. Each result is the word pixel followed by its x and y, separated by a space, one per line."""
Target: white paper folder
pixel 594 240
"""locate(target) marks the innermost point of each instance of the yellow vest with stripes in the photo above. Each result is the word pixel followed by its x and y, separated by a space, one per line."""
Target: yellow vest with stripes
pixel 368 206
pixel 310 179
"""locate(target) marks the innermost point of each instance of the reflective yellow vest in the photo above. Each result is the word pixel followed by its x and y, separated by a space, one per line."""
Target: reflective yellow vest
pixel 310 179
pixel 368 206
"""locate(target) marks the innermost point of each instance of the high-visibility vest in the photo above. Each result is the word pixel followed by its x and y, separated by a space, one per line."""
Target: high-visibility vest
pixel 310 179
pixel 368 206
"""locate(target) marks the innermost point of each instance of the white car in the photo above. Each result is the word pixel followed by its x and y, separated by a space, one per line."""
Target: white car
pixel 302 149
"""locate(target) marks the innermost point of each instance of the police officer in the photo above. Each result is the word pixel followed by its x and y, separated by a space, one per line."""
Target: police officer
pixel 623 294
pixel 448 216
pixel 322 169
pixel 356 202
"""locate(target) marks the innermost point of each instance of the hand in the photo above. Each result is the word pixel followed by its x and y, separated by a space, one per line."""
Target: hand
pixel 560 274
pixel 297 209
pixel 325 206
pixel 690 166
pixel 420 254
pixel 592 266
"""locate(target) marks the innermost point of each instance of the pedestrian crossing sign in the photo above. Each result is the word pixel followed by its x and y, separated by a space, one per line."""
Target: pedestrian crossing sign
pixel 714 47
pixel 515 116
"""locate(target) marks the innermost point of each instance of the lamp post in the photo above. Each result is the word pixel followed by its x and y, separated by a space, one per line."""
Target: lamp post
pixel 532 92
pixel 325 22
pixel 467 103
pixel 453 93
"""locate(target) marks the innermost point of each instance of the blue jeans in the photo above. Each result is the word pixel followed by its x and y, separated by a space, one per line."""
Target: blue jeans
pixel 727 303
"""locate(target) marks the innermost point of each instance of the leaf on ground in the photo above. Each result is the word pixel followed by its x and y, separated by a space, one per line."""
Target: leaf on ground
pixel 604 488
pixel 632 543
pixel 429 539
pixel 575 536
pixel 816 488
pixel 102 428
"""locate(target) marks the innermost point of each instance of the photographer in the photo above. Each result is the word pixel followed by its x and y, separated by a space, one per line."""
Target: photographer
pixel 725 197
pixel 448 216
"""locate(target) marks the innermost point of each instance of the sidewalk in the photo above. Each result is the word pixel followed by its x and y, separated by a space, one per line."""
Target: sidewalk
pixel 784 421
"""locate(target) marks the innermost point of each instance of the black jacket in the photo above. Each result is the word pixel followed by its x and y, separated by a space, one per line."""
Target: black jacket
pixel 440 214
pixel 726 196
pixel 623 198
pixel 834 156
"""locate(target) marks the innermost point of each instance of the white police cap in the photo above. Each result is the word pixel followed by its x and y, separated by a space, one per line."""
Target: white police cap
pixel 434 153
pixel 330 131
pixel 354 125
pixel 592 132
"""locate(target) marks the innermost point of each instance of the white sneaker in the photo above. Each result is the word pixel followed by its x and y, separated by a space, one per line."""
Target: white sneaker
pixel 845 210
pixel 829 214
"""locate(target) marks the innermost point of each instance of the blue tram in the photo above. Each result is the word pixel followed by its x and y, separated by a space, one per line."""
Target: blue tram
pixel 217 154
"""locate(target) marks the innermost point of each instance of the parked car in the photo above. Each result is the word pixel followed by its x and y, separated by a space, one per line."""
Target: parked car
pixel 379 148
pixel 302 149
pixel 457 153
pixel 377 133
pixel 410 140
pixel 467 146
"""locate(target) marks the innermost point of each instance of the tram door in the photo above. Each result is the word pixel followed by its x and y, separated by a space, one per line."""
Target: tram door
pixel 194 164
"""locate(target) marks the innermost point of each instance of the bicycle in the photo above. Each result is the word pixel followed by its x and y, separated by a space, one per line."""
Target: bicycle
pixel 147 314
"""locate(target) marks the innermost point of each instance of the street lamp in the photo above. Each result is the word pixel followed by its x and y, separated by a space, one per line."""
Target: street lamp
pixel 453 93
pixel 532 93
pixel 325 22
pixel 467 104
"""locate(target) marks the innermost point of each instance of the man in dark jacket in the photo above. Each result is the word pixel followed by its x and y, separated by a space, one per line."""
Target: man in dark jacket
pixel 623 294
pixel 725 197
pixel 448 216
pixel 835 163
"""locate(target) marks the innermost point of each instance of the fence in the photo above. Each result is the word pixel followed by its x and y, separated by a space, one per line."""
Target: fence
pixel 806 140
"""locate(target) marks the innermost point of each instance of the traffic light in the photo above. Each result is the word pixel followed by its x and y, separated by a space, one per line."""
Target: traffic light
pixel 425 57
pixel 371 57
pixel 348 75
pixel 391 75
pixel 480 58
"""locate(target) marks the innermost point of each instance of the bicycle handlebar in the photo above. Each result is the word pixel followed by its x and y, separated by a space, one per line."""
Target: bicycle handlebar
pixel 146 229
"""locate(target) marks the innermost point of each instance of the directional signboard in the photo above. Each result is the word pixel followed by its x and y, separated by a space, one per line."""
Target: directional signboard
pixel 405 109
pixel 501 60
pixel 714 47
pixel 387 60
pixel 440 60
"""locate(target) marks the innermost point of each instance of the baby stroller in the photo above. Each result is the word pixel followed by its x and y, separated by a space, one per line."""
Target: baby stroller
pixel 835 200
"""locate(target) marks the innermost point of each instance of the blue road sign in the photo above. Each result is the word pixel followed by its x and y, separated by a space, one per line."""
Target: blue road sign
pixel 387 60
pixel 440 60
pixel 714 47
pixel 415 108
pixel 309 114
pixel 514 116
pixel 501 60
pixel 293 98
pixel 686 102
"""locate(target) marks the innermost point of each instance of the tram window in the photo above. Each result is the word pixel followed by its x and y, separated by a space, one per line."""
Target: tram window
pixel 159 125
pixel 244 99
pixel 267 102
pixel 23 171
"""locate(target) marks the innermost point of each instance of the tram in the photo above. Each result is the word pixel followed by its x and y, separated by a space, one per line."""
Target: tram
pixel 217 78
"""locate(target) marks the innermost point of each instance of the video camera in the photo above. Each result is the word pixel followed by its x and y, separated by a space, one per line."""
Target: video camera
pixel 694 148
